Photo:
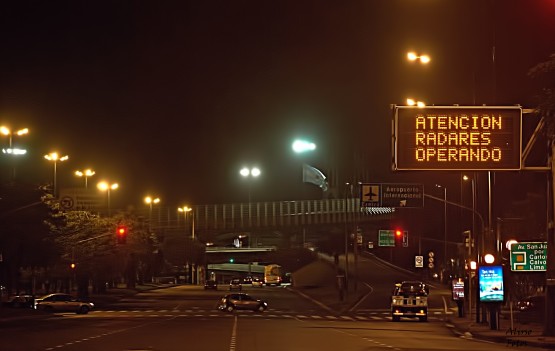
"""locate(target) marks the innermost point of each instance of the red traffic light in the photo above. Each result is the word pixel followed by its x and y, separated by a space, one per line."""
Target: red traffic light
pixel 398 233
pixel 121 233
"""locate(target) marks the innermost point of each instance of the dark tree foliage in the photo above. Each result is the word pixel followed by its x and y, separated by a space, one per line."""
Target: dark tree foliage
pixel 22 233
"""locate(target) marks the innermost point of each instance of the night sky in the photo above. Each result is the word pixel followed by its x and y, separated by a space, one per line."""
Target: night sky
pixel 171 99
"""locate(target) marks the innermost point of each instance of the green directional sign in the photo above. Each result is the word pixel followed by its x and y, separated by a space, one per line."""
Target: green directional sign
pixel 529 257
pixel 386 238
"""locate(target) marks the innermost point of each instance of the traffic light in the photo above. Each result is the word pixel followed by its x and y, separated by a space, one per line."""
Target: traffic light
pixel 231 260
pixel 401 238
pixel 121 233
pixel 398 237
pixel 72 265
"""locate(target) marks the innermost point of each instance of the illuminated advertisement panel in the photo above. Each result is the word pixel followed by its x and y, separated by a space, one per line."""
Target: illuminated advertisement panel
pixel 492 287
pixel 457 138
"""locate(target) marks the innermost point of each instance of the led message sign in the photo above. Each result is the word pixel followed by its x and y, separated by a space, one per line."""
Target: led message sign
pixel 457 138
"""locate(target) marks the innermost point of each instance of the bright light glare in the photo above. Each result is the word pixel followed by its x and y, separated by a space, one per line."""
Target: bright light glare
pixel 422 58
pixel 489 258
pixel 105 186
pixel 425 59
pixel 245 172
pixel 53 156
pixel 14 151
pixel 412 102
pixel 150 200
pixel 303 146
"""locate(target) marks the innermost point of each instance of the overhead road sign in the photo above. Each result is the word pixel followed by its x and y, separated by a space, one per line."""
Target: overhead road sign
pixel 386 238
pixel 392 195
pixel 457 138
pixel 529 256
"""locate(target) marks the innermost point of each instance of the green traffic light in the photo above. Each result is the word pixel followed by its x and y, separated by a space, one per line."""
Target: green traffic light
pixel 231 260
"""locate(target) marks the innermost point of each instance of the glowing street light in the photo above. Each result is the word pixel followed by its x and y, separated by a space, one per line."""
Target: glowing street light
pixel 412 102
pixel 151 201
pixel 107 187
pixel 86 173
pixel 185 210
pixel 55 158
pixel 424 59
pixel 6 131
pixel 300 146
pixel 11 150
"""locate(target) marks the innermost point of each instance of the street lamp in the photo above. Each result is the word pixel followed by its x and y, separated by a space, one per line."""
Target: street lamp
pixel 246 173
pixel 185 210
pixel 444 225
pixel 300 146
pixel 250 172
pixel 412 102
pixel 6 131
pixel 11 150
pixel 151 201
pixel 54 157
pixel 107 187
pixel 86 173
pixel 424 59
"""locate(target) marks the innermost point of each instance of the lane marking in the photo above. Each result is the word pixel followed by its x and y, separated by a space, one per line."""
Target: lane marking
pixel 233 341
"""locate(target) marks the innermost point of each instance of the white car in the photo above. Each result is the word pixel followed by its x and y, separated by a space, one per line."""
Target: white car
pixel 59 302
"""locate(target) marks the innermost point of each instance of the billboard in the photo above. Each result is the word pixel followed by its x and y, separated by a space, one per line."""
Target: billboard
pixel 490 281
pixel 457 138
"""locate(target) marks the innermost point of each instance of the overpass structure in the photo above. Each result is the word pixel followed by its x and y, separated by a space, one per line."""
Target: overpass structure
pixel 257 215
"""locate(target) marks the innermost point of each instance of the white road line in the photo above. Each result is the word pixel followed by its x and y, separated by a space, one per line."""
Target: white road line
pixel 233 341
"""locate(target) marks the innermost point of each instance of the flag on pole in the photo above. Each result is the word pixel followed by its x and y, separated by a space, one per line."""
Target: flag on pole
pixel 315 176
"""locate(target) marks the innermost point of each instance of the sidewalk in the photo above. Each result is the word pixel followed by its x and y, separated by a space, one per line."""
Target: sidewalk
pixel 513 335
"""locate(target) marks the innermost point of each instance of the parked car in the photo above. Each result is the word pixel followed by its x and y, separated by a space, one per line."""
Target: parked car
pixel 20 301
pixel 235 284
pixel 210 284
pixel 257 282
pixel 241 301
pixel 59 302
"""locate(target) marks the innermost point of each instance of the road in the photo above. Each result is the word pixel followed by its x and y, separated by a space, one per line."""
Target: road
pixel 185 318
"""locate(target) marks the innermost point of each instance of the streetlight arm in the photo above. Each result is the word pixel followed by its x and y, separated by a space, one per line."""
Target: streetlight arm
pixel 460 206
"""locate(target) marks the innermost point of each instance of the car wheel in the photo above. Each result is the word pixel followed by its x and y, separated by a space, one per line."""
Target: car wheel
pixel 395 318
pixel 83 310
pixel 261 308
pixel 229 308
pixel 423 319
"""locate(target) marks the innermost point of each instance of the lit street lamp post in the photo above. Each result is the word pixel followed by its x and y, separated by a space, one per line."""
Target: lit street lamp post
pixel 11 150
pixel 54 157
pixel 105 186
pixel 150 201
pixel 185 210
pixel 86 173
pixel 9 133
pixel 253 173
